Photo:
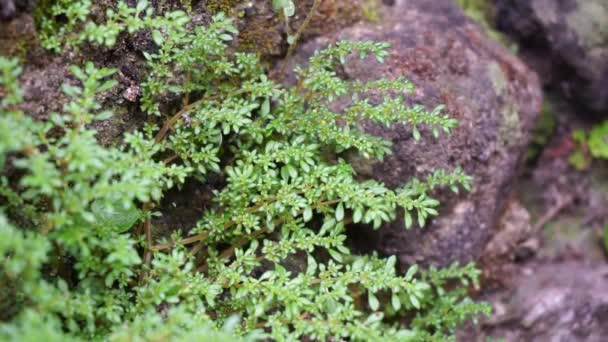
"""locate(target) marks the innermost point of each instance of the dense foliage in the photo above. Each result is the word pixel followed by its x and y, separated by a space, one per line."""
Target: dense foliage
pixel 268 259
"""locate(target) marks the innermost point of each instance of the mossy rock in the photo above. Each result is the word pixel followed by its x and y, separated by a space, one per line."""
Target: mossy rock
pixel 492 93
pixel 18 36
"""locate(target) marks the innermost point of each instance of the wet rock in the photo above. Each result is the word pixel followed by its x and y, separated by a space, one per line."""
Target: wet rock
pixel 10 8
pixel 552 302
pixel 7 8
pixel 493 94
pixel 567 41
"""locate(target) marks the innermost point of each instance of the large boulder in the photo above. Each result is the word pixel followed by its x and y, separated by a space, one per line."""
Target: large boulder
pixel 493 94
pixel 567 41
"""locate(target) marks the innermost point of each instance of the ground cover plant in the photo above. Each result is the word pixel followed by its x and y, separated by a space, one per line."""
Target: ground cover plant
pixel 80 256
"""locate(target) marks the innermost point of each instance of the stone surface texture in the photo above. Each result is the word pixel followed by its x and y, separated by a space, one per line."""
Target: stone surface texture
pixel 492 93
pixel 567 41
pixel 552 302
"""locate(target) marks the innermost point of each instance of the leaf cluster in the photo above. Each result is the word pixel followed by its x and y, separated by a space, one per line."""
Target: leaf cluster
pixel 268 259
pixel 589 145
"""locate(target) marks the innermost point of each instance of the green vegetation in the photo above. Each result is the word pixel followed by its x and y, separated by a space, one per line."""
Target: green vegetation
pixel 545 127
pixel 80 256
pixel 589 145
pixel 370 10
pixel 598 141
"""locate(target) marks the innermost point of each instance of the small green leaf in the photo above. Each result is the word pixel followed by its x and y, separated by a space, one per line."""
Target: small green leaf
pixel 335 254
pixel 421 219
pixel 141 5
pixel 396 302
pixel 340 212
pixel 411 272
pixel 416 134
pixel 373 302
pixel 278 4
pixel 157 37
pixel 226 37
pixel 76 71
pixel 312 265
pixel 415 301
pixel 307 214
pixel 105 115
pixel 265 107
pixel 357 215
pixel 408 220
pixel 289 8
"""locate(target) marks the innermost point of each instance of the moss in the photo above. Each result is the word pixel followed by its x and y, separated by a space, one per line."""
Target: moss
pixel 216 6
pixel 262 36
pixel 18 36
pixel 264 30
pixel 370 11
pixel 497 77
pixel 510 129
pixel 333 15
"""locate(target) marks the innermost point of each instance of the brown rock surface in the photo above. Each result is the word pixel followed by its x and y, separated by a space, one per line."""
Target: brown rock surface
pixel 493 94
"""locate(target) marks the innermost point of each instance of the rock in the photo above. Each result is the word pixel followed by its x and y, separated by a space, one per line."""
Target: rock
pixel 493 94
pixel 10 8
pixel 7 8
pixel 514 230
pixel 553 302
pixel 567 41
pixel 17 36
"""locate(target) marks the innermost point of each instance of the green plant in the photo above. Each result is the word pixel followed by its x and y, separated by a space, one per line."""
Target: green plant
pixel 589 145
pixel 545 127
pixel 52 30
pixel 598 141
pixel 76 266
pixel 288 8
pixel 56 35
pixel 579 158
